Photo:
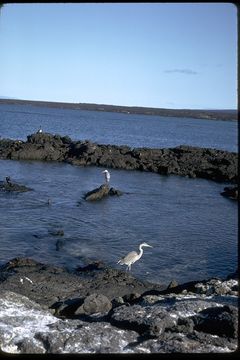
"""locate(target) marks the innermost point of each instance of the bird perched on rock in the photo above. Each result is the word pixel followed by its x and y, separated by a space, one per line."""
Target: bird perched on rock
pixel 107 176
pixel 39 130
pixel 8 180
pixel 132 257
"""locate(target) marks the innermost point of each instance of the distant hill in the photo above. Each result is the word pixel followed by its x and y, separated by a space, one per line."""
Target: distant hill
pixel 197 114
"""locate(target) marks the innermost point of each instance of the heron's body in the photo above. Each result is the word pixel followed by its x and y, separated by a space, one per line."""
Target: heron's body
pixel 132 257
pixel 107 176
pixel 39 130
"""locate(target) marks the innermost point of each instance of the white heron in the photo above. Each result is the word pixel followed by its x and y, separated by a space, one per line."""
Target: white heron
pixel 107 176
pixel 39 130
pixel 132 257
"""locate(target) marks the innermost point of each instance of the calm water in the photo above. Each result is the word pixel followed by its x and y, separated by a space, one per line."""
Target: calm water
pixel 18 121
pixel 193 230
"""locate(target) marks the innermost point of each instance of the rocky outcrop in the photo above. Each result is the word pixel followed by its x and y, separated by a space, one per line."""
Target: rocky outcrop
pixel 41 282
pixel 13 187
pixel 99 309
pixel 231 192
pixel 217 165
pixel 101 192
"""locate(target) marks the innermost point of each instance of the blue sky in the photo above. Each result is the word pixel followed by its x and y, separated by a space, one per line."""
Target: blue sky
pixel 169 55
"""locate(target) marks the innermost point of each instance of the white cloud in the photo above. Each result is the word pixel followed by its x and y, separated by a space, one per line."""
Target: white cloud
pixel 182 71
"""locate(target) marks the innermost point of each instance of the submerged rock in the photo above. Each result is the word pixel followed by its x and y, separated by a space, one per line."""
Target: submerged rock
pixel 59 232
pixel 231 192
pixel 113 192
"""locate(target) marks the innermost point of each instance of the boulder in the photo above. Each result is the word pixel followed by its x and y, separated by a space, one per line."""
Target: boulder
pixel 172 284
pixel 113 192
pixel 220 321
pixel 97 194
pixel 147 321
pixel 230 192
pixel 13 187
pixel 93 304
pixel 101 192
pixel 66 308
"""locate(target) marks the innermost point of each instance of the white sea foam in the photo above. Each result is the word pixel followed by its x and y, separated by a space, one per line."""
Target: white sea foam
pixel 20 318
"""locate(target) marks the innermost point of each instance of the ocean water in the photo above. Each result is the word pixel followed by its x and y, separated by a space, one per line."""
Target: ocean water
pixel 192 228
pixel 18 121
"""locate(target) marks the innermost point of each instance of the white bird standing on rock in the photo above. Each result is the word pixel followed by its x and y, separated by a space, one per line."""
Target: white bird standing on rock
pixel 132 257
pixel 39 130
pixel 107 176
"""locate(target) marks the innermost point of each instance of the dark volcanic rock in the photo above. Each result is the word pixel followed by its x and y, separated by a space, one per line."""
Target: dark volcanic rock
pixel 48 284
pixel 95 265
pixel 94 303
pixel 113 192
pixel 30 329
pixel 41 146
pixel 91 304
pixel 172 284
pixel 175 343
pixel 221 321
pixel 59 232
pixel 13 187
pixel 45 309
pixel 217 165
pixel 101 192
pixel 150 321
pixel 231 192
pixel 97 194
pixel 206 287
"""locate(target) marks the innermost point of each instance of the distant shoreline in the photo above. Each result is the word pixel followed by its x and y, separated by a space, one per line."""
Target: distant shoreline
pixel 197 114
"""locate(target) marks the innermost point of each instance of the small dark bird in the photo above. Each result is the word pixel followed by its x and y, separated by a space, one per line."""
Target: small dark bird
pixel 8 180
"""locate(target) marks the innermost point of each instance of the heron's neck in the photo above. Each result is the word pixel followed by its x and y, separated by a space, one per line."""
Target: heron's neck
pixel 141 251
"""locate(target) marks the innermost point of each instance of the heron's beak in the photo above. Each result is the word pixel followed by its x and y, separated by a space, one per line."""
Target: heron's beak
pixel 150 246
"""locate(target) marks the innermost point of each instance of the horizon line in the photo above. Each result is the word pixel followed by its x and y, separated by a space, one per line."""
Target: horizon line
pixel 115 105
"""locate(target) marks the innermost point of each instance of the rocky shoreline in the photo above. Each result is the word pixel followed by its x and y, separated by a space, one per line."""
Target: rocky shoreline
pixel 98 309
pixel 183 160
